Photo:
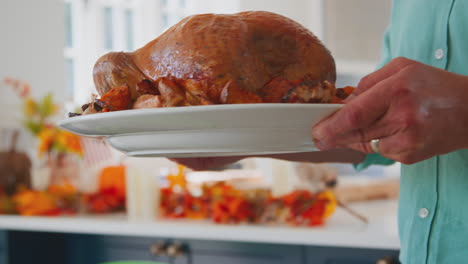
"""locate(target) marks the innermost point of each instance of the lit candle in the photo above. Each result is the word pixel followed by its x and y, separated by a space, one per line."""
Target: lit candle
pixel 132 193
pixel 142 194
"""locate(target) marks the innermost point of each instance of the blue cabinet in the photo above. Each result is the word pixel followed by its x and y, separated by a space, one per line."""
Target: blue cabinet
pixel 94 249
pixel 3 247
pixel 98 249
pixel 335 255
pixel 55 248
pixel 36 247
pixel 203 252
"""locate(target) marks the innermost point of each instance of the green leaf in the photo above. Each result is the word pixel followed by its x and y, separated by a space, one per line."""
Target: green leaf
pixel 33 127
pixel 30 108
pixel 59 147
pixel 46 107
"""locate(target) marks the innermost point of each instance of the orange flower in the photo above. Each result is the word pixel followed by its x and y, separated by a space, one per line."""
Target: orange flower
pixel 30 203
pixel 69 142
pixel 331 202
pixel 62 190
pixel 46 140
pixel 178 179
pixel 103 202
pixel 306 208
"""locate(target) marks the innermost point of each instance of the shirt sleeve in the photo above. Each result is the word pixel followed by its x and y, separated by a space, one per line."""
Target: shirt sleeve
pixel 386 49
pixel 376 159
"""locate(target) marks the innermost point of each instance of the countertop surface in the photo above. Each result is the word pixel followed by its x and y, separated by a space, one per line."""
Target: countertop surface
pixel 341 230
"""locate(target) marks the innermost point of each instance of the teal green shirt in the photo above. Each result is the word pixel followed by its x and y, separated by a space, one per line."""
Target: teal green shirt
pixel 433 208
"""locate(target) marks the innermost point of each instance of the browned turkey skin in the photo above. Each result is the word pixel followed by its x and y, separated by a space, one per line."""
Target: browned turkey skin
pixel 249 57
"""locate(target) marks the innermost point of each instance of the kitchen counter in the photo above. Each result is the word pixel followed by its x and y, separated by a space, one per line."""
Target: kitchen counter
pixel 341 230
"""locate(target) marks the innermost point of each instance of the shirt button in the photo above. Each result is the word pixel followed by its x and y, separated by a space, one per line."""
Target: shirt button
pixel 439 54
pixel 423 212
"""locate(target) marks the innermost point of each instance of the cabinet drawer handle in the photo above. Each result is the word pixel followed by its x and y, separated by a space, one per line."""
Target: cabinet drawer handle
pixel 387 260
pixel 176 250
pixel 158 249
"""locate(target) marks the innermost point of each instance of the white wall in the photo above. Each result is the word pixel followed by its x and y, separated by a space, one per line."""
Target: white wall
pixel 355 28
pixel 213 6
pixel 31 48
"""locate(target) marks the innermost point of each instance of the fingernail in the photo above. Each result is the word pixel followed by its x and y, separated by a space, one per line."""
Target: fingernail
pixel 317 133
pixel 321 144
pixel 349 98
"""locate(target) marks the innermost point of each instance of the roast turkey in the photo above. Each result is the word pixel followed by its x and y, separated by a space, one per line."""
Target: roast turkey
pixel 248 57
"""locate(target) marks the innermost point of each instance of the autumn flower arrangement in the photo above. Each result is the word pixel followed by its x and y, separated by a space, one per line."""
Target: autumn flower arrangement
pixel 223 203
pixel 37 120
pixel 53 149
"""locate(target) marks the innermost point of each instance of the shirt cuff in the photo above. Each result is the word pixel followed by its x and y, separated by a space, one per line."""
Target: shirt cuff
pixel 373 159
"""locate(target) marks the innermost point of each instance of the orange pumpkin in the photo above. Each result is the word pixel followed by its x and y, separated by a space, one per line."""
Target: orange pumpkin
pixel 113 178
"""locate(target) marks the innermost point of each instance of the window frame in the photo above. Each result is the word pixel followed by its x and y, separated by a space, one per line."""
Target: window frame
pixel 88 38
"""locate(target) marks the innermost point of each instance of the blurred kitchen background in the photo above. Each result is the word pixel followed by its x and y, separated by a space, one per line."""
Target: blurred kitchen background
pixel 62 195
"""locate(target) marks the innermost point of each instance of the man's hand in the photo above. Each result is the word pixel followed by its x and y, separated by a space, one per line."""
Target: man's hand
pixel 417 111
